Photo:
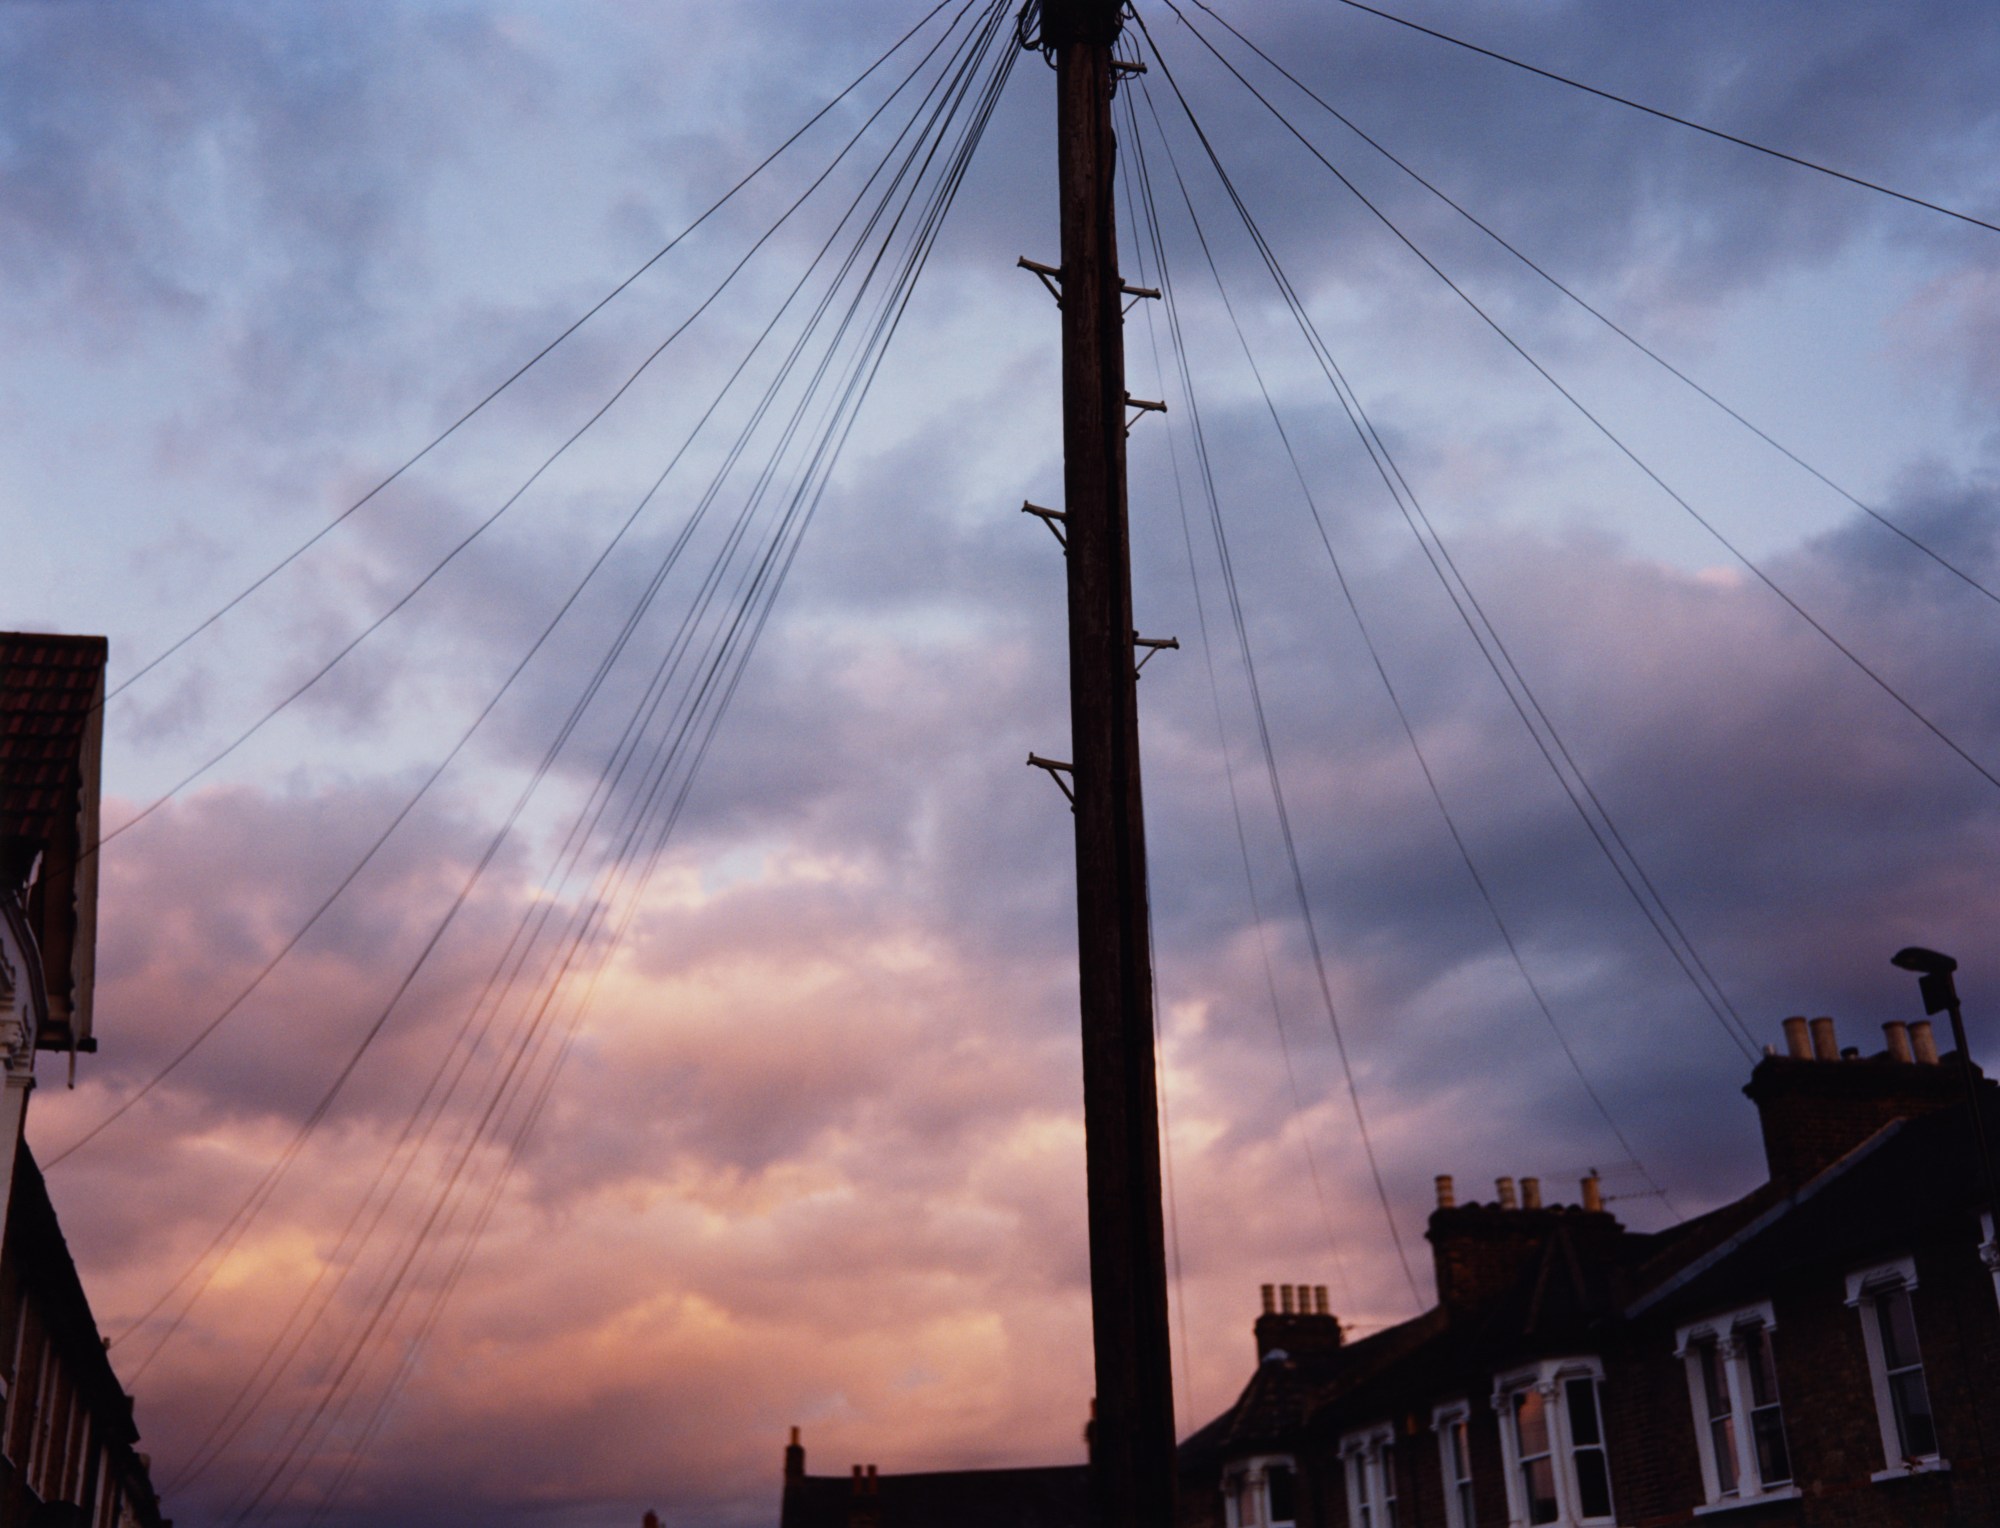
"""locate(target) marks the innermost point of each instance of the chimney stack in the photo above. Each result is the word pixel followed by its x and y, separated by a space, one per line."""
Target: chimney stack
pixel 1531 1193
pixel 1897 1034
pixel 1922 1043
pixel 1797 1046
pixel 1506 1190
pixel 1447 1195
pixel 1825 1047
pixel 1593 1189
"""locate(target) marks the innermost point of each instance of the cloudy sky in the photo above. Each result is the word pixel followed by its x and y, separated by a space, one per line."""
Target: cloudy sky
pixel 727 1078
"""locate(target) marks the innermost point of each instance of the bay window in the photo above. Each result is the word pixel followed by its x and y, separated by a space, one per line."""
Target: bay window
pixel 1552 1439
pixel 1261 1493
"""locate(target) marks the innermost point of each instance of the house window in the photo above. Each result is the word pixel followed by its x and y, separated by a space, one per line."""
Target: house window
pixel 1261 1493
pixel 1552 1437
pixel 1369 1458
pixel 1896 1365
pixel 1453 1426
pixel 1733 1388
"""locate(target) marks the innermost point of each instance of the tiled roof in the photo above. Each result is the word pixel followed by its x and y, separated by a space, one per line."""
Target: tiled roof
pixel 49 693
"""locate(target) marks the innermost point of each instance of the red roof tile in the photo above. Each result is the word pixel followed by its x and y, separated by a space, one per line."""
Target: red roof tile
pixel 49 688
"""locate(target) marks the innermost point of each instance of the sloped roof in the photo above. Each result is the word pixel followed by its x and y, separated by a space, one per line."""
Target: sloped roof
pixel 1886 1196
pixel 51 737
pixel 1286 1393
pixel 50 688
pixel 1051 1496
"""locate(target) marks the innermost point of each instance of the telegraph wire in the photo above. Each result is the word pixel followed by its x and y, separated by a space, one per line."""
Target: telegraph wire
pixel 1487 638
pixel 1257 918
pixel 829 446
pixel 515 376
pixel 1484 632
pixel 1640 345
pixel 856 388
pixel 1664 116
pixel 1277 791
pixel 711 497
pixel 542 771
pixel 1626 451
pixel 1389 687
pixel 431 780
pixel 513 498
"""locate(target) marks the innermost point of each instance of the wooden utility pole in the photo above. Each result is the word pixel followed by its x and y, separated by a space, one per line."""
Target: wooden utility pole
pixel 1133 1450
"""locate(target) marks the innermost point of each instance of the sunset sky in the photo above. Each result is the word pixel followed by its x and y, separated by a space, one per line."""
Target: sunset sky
pixel 787 1129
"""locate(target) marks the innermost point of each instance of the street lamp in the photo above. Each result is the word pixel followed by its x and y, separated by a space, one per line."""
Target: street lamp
pixel 1940 995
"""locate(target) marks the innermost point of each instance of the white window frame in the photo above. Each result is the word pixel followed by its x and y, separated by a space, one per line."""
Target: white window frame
pixel 1368 1461
pixel 1254 1473
pixel 1723 1331
pixel 1444 1419
pixel 1989 1249
pixel 1864 1288
pixel 1549 1377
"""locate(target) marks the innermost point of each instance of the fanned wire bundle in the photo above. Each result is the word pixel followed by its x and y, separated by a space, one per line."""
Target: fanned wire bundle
pixel 298 1429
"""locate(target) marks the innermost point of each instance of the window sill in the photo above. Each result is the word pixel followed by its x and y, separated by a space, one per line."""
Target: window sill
pixel 1738 1503
pixel 1930 1465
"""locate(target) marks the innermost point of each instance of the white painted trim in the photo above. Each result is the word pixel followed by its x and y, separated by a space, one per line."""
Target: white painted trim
pixel 1898 1271
pixel 1361 1454
pixel 1549 1376
pixel 1989 1249
pixel 1443 1419
pixel 1863 1287
pixel 1722 1330
pixel 1254 1472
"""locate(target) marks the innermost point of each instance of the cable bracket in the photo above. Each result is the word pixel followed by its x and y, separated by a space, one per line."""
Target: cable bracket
pixel 1143 406
pixel 1135 293
pixel 1054 519
pixel 1152 646
pixel 1057 769
pixel 1050 276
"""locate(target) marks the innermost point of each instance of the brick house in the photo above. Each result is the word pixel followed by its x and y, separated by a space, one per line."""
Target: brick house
pixel 1822 1351
pixel 1046 1496
pixel 68 1453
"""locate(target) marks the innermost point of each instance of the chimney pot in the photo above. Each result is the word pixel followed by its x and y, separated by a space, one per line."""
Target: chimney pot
pixel 1770 1049
pixel 1319 1300
pixel 1506 1189
pixel 1447 1195
pixel 1285 1298
pixel 1797 1045
pixel 1923 1043
pixel 795 1437
pixel 1531 1193
pixel 1825 1046
pixel 1897 1034
pixel 1593 1193
pixel 1270 1299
